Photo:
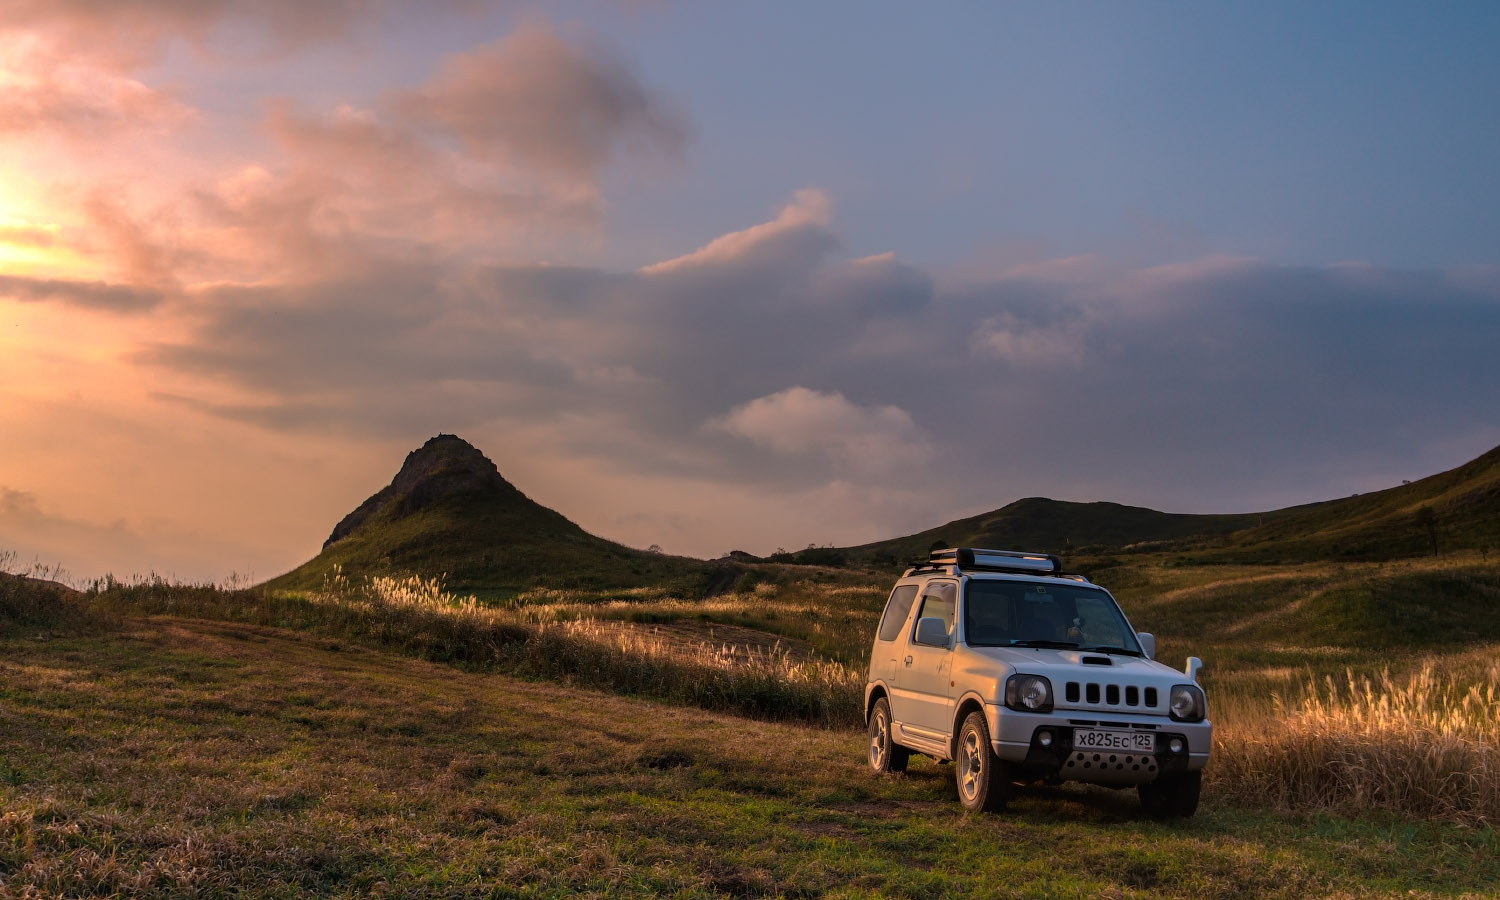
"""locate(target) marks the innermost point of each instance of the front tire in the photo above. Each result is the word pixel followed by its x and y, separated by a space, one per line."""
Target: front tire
pixel 885 754
pixel 1172 796
pixel 983 778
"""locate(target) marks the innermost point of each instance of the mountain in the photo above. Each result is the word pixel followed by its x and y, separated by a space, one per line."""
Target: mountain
pixel 1457 509
pixel 449 512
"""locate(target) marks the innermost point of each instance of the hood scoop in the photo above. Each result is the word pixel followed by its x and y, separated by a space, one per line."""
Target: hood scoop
pixel 1097 661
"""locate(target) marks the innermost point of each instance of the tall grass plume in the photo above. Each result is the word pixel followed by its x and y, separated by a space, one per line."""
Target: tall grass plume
pixel 1426 745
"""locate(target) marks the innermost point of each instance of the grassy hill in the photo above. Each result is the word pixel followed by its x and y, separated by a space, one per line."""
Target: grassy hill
pixel 448 512
pixel 1038 523
pixel 1454 510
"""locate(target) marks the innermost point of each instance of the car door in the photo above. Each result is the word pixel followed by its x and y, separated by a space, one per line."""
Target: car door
pixel 888 637
pixel 923 695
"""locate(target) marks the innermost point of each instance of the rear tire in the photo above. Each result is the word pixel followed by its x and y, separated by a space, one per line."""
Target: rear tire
pixel 983 779
pixel 885 754
pixel 1173 796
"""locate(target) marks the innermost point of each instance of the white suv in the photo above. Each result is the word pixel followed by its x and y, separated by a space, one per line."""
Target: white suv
pixel 1015 671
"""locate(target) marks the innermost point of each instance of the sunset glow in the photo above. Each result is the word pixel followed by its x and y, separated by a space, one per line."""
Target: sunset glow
pixel 709 279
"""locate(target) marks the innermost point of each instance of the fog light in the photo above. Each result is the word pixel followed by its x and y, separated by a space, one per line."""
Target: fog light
pixel 1044 738
pixel 1176 745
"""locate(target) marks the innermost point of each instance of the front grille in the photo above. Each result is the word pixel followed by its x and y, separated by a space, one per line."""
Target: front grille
pixel 1110 694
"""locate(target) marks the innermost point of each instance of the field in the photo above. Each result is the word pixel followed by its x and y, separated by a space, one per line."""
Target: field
pixel 185 758
pixel 387 738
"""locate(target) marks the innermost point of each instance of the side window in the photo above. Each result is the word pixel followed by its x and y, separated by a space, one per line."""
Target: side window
pixel 938 602
pixel 895 611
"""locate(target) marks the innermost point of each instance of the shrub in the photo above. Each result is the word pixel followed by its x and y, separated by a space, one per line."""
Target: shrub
pixel 32 597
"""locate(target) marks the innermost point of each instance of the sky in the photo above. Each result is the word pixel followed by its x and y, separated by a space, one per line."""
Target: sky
pixel 723 276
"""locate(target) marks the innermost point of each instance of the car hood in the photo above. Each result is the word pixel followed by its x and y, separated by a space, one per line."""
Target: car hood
pixel 1068 664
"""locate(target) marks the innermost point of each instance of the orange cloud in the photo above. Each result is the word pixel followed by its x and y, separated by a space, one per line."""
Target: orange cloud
pixel 27 235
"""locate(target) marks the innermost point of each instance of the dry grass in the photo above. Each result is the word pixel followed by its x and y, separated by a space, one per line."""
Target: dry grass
pixel 189 759
pixel 542 640
pixel 1418 739
pixel 1420 745
pixel 835 621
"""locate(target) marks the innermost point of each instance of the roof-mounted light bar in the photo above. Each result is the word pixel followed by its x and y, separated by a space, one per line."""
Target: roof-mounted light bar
pixel 1002 560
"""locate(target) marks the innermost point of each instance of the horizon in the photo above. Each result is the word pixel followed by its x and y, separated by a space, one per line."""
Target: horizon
pixel 731 278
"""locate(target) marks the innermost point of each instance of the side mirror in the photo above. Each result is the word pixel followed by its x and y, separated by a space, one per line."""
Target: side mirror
pixel 1148 643
pixel 1193 666
pixel 932 632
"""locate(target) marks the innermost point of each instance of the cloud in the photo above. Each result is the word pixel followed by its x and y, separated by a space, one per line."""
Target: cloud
pixel 128 33
pixel 17 503
pixel 27 235
pixel 1184 386
pixel 866 439
pixel 799 232
pixel 89 294
pixel 496 156
pixel 354 175
pixel 39 537
pixel 1024 343
pixel 536 101
pixel 140 254
pixel 45 89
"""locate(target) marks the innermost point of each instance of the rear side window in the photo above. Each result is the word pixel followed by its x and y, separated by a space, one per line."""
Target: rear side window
pixel 895 611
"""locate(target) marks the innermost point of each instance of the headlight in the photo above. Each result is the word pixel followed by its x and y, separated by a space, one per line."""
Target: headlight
pixel 1188 704
pixel 1028 693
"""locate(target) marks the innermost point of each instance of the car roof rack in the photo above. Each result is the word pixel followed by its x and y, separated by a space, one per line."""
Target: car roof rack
pixel 973 559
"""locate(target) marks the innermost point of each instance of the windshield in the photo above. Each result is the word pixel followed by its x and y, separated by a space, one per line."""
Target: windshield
pixel 1027 614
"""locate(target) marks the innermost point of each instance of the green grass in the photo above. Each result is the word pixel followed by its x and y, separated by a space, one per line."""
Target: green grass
pixel 496 551
pixel 185 759
pixel 541 640
pixel 1318 618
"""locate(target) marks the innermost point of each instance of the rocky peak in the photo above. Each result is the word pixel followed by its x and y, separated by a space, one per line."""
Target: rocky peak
pixel 446 467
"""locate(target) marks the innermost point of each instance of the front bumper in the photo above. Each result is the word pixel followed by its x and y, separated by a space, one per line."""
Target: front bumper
pixel 1018 738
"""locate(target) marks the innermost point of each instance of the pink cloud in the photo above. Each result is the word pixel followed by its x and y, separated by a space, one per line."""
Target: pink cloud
pixel 810 209
pixel 128 33
pixel 537 101
pixel 44 89
pixel 865 439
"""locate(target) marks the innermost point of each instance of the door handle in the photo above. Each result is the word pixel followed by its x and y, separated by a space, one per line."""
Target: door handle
pixel 908 660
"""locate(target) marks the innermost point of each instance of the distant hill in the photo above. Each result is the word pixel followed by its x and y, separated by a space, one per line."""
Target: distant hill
pixel 449 512
pixel 1454 510
pixel 1457 509
pixel 1037 523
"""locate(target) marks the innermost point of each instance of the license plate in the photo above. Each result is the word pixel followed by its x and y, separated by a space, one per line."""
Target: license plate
pixel 1137 741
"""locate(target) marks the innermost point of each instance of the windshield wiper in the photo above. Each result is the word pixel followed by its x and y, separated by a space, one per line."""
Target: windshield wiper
pixel 1053 645
pixel 1122 651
